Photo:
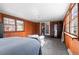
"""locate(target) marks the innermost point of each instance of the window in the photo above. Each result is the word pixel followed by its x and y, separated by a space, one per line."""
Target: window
pixel 13 25
pixel 9 24
pixel 74 26
pixel 74 21
pixel 20 25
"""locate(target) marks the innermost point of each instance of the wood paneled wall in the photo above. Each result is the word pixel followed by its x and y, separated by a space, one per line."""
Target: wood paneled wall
pixel 29 27
pixel 71 43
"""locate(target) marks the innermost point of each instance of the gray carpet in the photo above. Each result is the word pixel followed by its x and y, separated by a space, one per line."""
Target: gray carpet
pixel 54 46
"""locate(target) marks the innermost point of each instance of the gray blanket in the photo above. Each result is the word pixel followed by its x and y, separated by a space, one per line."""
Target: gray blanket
pixel 19 46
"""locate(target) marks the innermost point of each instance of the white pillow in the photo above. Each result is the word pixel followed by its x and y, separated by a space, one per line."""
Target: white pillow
pixel 41 38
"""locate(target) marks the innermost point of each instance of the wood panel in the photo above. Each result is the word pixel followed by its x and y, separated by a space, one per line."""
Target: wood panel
pixel 1 18
pixel 52 29
pixel 72 43
pixel 59 29
pixel 29 27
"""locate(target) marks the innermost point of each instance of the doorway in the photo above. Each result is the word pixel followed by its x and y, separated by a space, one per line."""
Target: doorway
pixel 45 28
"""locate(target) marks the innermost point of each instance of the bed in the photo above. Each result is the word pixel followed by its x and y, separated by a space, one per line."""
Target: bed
pixel 19 46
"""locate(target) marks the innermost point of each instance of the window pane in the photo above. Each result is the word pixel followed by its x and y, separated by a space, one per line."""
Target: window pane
pixel 19 28
pixel 19 22
pixel 74 22
pixel 9 28
pixel 9 21
pixel 20 25
pixel 6 27
pixel 75 11
pixel 74 26
pixel 9 24
pixel 6 21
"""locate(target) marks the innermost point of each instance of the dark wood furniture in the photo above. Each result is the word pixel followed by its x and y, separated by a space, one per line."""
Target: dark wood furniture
pixel 1 30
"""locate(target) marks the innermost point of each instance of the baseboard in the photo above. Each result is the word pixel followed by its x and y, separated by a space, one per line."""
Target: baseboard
pixel 69 51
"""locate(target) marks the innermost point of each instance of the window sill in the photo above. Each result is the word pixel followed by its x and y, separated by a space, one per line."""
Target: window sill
pixel 72 36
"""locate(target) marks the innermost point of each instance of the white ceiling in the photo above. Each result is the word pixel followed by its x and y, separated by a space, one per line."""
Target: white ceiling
pixel 36 12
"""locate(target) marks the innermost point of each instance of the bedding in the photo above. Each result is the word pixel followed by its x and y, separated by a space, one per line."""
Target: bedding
pixel 39 38
pixel 19 46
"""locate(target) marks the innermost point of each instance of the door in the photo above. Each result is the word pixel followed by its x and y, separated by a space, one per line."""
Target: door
pixel 59 29
pixel 47 28
pixel 42 28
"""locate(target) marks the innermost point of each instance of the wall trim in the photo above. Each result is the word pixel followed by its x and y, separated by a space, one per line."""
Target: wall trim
pixel 40 28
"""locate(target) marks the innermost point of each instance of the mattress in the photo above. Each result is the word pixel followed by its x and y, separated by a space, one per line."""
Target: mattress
pixel 19 46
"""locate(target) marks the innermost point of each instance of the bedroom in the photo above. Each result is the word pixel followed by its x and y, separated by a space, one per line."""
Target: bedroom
pixel 29 23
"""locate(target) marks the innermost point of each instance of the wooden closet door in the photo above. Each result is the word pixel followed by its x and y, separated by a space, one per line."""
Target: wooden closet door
pixel 59 29
pixel 52 29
